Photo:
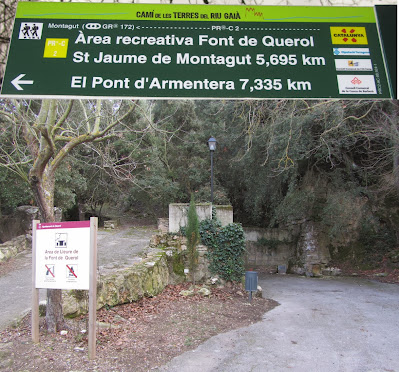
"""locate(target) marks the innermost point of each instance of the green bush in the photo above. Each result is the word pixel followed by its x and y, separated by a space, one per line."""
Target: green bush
pixel 376 239
pixel 295 206
pixel 226 246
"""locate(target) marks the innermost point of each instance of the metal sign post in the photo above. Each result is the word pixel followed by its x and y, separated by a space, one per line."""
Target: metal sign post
pixel 195 51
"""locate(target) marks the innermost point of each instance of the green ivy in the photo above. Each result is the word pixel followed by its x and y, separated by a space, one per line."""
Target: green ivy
pixel 376 239
pixel 182 231
pixel 226 246
pixel 213 212
pixel 209 231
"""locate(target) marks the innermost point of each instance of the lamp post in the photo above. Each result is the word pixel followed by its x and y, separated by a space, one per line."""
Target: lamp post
pixel 212 148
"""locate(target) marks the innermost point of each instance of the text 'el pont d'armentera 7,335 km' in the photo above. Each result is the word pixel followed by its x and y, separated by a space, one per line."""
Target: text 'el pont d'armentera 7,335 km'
pixel 161 51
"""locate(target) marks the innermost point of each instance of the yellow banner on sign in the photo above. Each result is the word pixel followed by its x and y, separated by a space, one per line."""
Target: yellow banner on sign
pixel 56 48
pixel 348 35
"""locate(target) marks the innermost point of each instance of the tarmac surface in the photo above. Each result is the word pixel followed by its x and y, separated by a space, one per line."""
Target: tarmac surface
pixel 116 248
pixel 335 324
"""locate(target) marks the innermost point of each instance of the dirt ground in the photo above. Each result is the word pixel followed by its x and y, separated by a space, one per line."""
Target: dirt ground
pixel 135 337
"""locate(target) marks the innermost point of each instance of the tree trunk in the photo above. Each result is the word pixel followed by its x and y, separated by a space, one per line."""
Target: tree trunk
pixel 54 314
pixel 395 164
pixel 396 167
pixel 395 152
pixel 43 187
pixel 81 210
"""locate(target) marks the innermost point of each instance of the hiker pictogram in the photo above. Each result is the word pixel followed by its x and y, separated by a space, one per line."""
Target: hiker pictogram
pixel 25 31
pixel 34 30
pixel 31 31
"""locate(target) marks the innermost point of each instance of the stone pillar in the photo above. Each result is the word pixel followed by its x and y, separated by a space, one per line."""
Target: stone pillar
pixel 224 213
pixel 312 251
pixel 178 214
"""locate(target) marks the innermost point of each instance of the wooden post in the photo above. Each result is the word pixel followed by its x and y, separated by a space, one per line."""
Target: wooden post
pixel 35 291
pixel 93 287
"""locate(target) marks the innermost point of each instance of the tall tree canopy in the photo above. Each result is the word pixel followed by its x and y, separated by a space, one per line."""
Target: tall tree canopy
pixel 36 138
pixel 276 161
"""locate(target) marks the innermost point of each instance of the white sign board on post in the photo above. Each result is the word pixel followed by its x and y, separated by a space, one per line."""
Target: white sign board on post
pixel 63 255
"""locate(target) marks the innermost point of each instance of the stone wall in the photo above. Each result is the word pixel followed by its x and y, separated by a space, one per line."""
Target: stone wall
pixel 163 263
pixel 303 250
pixel 178 214
pixel 311 255
pixel 224 213
pixel 175 248
pixel 21 222
pixel 145 279
pixel 268 248
pixel 163 225
pixel 14 246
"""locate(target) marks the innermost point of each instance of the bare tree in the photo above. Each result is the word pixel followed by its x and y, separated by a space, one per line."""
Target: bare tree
pixel 36 138
pixel 7 13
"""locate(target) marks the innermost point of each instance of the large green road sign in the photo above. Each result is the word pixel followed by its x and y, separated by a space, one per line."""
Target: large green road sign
pixel 142 50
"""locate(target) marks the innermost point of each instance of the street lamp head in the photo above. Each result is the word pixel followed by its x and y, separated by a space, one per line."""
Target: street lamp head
pixel 212 144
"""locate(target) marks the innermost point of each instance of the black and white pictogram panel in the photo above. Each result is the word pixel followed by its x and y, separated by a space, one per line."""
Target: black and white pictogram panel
pixel 31 31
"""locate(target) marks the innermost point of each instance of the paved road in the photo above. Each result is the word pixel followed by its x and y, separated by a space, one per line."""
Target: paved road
pixel 16 290
pixel 116 248
pixel 343 325
pixel 339 324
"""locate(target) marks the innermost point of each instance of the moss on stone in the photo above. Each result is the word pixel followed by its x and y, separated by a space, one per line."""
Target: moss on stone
pixel 225 207
pixel 147 278
pixel 178 264
pixel 79 295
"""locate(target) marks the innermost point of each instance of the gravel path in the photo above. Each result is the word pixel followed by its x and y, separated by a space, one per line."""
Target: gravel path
pixel 116 248
pixel 122 247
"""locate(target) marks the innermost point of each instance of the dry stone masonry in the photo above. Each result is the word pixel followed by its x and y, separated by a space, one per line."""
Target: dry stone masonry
pixel 163 262
pixel 13 247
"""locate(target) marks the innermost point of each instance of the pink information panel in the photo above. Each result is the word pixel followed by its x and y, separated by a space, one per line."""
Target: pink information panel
pixel 63 255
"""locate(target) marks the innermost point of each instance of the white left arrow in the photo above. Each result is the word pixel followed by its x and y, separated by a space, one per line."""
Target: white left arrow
pixel 17 82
